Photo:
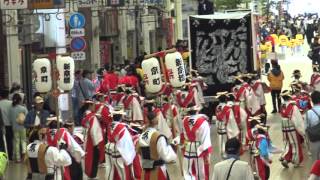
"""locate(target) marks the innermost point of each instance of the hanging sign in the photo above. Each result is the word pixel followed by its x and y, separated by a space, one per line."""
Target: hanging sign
pixel 13 4
pixel 46 4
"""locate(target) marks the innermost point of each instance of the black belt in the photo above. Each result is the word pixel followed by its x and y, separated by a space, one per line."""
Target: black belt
pixel 158 163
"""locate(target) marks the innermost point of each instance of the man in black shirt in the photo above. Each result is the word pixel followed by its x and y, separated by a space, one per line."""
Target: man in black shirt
pixel 205 7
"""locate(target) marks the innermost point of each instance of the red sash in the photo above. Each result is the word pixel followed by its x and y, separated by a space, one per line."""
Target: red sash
pixel 184 103
pixel 224 112
pixel 241 91
pixel 191 133
pixel 117 131
pixel 127 101
pixel 287 111
pixel 236 113
pixel 165 109
pixel 54 142
pixel 256 85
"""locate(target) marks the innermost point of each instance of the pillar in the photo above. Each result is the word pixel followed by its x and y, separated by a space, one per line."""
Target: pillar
pixel 123 35
pixel 178 23
pixel 95 40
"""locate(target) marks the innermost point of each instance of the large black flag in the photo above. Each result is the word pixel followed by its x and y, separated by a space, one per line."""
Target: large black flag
pixel 221 48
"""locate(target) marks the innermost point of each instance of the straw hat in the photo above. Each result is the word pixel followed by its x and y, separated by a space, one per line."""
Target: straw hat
pixel 38 100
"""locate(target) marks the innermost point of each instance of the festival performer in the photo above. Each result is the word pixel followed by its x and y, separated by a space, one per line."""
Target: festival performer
pixel 226 123
pixel 200 84
pixel 132 107
pixel 93 139
pixel 241 90
pixel 54 135
pixel 120 149
pixel 188 96
pixel 252 103
pixel 301 98
pixel 258 90
pixel 262 153
pixel 197 148
pixel 163 126
pixel 102 110
pixel 171 113
pixel 155 151
pixel 241 118
pixel 44 159
pixel 315 79
pixel 293 131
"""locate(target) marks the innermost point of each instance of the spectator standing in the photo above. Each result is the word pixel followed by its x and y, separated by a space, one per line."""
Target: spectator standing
pixel 75 97
pixel 37 116
pixel 5 105
pixel 232 168
pixel 276 77
pixel 315 48
pixel 86 86
pixel 17 114
pixel 312 119
pixel 16 88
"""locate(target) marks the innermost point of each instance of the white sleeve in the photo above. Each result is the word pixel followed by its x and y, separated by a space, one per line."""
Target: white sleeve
pixel 204 137
pixel 297 120
pixel 165 151
pixel 313 177
pixel 54 157
pixel 126 147
pixel 96 132
pixel 136 110
pixel 163 126
pixel 75 149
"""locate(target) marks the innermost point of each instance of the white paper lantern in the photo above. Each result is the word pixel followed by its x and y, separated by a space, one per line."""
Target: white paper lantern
pixel 65 67
pixel 176 70
pixel 42 70
pixel 152 75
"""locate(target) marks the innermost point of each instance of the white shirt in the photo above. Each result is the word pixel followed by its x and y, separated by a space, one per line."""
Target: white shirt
pixel 240 170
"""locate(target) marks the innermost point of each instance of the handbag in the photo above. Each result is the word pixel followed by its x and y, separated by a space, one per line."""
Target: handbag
pixel 313 132
pixel 21 118
pixel 230 169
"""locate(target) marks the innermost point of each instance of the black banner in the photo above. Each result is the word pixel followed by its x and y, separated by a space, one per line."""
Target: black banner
pixel 221 48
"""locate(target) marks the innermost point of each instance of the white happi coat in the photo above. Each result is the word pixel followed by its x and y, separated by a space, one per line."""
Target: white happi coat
pixel 54 158
pixel 197 146
pixel 259 92
pixel 120 150
pixel 133 109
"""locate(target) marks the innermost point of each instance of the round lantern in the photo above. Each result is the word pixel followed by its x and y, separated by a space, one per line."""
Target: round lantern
pixel 42 70
pixel 175 69
pixel 65 67
pixel 152 75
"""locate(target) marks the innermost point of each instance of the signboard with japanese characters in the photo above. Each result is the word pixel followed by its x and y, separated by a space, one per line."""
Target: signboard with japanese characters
pixel 78 55
pixel 13 4
pixel 77 32
pixel 176 69
pixel 152 75
pixel 46 4
pixel 65 66
pixel 88 3
pixel 42 70
pixel 152 2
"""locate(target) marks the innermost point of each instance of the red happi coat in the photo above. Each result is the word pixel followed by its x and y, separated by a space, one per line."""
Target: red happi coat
pixel 315 79
pixel 241 92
